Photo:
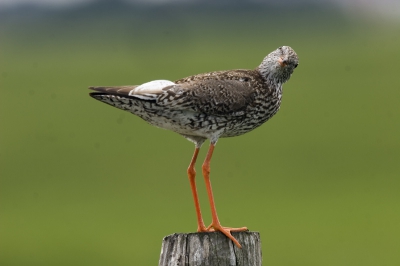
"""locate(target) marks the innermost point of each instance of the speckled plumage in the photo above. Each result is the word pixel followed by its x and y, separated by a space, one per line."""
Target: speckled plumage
pixel 210 105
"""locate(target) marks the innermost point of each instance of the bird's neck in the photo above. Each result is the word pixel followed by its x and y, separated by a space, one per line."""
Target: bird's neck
pixel 273 83
pixel 270 76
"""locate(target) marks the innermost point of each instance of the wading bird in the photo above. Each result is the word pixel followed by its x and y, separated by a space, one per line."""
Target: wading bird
pixel 208 106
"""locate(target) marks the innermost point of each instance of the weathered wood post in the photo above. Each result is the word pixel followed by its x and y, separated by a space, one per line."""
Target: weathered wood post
pixel 211 248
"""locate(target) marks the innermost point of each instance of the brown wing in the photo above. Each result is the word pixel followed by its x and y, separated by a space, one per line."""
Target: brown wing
pixel 210 96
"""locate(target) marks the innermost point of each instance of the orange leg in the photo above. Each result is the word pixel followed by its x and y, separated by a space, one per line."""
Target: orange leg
pixel 215 221
pixel 192 175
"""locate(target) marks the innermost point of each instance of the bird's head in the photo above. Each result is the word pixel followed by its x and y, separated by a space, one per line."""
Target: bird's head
pixel 279 64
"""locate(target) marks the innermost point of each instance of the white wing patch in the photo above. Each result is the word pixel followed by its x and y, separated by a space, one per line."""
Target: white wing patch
pixel 150 90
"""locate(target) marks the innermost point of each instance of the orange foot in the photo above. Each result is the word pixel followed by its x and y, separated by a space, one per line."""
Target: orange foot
pixel 226 231
pixel 202 228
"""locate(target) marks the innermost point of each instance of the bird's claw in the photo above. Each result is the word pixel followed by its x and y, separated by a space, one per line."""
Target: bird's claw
pixel 226 231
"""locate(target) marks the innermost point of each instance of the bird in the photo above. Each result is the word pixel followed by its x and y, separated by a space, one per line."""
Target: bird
pixel 210 106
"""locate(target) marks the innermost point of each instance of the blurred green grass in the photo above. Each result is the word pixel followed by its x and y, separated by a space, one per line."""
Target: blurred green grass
pixel 83 183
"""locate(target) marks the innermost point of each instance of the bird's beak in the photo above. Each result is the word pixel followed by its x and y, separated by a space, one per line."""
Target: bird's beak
pixel 282 62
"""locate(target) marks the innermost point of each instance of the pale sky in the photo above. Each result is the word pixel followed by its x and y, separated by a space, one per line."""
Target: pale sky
pixel 55 3
pixel 390 8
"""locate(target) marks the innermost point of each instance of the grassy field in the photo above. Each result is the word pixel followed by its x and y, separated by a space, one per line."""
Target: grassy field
pixel 82 183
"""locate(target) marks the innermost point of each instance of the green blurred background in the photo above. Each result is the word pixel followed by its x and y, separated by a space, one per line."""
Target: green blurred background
pixel 82 183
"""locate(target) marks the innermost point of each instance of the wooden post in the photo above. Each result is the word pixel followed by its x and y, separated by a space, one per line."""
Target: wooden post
pixel 211 248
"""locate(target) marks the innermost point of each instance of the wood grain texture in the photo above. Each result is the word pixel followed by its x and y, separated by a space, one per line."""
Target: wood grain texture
pixel 211 248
